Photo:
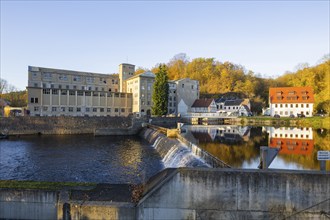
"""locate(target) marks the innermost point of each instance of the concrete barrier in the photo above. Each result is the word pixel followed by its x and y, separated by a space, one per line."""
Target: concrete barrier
pixel 237 194
pixel 28 204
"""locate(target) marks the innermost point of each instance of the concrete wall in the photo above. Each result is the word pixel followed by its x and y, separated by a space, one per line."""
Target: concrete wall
pixel 61 125
pixel 28 204
pixel 237 194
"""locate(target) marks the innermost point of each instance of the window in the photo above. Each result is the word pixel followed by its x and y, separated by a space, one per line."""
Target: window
pixel 116 109
pixel 71 92
pixel 55 91
pixel 101 109
pixel 182 85
pixel 62 109
pixel 192 86
pixel 34 100
pixel 88 93
pixel 76 78
pixel 307 105
pixel 142 87
pixel 80 93
pixel 302 105
pixel 60 86
pixel 95 94
pixel 46 91
pixel 108 109
pixel 296 105
pixel 78 109
pixel 54 109
pixel 275 105
pixel 64 92
pixel 281 105
pixel 291 105
pixel 122 110
pixel 35 84
pixel 70 109
pixel 74 87
pixel 83 88
pixel 67 87
pixel 286 105
pixel 36 108
pixel 52 86
pixel 63 77
pixel 94 109
pixel 45 108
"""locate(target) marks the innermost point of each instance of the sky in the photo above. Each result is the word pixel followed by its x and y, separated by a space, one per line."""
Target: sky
pixel 267 37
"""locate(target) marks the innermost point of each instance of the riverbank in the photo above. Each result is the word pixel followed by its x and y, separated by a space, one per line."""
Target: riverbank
pixel 314 122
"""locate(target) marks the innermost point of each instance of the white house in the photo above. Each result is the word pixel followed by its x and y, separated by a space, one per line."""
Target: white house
pixel 287 101
pixel 204 105
pixel 240 107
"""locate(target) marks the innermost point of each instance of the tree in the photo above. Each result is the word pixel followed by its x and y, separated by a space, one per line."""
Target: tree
pixel 3 86
pixel 160 92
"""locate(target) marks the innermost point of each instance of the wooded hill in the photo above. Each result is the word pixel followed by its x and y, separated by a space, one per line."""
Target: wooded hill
pixel 218 79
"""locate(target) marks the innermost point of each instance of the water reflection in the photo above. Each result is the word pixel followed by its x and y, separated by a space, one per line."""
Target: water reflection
pixel 239 146
pixel 297 141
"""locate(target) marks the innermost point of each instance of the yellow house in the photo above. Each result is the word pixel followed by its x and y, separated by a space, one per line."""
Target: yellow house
pixel 14 111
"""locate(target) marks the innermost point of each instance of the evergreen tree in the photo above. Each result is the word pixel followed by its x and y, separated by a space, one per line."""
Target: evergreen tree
pixel 160 92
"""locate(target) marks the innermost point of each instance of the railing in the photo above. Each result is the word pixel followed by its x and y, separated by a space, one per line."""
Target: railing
pixel 209 115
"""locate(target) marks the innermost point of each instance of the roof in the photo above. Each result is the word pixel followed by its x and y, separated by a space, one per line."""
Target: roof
pixel 291 95
pixel 145 74
pixel 202 103
pixel 233 102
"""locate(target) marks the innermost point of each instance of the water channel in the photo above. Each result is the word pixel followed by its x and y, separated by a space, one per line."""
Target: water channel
pixel 130 159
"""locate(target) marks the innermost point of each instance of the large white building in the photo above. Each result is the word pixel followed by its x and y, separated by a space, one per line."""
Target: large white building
pixel 291 101
pixel 55 92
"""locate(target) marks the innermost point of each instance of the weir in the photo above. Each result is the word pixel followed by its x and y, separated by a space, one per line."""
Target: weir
pixel 179 152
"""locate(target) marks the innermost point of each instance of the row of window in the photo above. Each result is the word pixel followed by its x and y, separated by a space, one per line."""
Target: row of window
pixel 291 113
pixel 82 93
pixel 75 78
pixel 292 135
pixel 89 88
pixel 291 105
pixel 80 109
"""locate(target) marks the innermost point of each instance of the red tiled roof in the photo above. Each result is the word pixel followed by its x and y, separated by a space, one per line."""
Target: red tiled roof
pixel 202 103
pixel 291 95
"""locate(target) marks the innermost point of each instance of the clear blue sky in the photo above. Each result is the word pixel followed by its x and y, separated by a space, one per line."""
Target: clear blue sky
pixel 267 37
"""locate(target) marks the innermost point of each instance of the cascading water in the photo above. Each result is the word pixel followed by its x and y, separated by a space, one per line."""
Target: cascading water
pixel 173 152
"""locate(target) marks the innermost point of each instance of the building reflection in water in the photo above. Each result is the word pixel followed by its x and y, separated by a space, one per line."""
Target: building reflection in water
pixel 223 134
pixel 297 141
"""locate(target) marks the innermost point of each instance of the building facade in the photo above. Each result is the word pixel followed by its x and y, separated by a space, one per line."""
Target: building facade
pixel 204 106
pixel 141 87
pixel 239 107
pixel 291 101
pixel 55 92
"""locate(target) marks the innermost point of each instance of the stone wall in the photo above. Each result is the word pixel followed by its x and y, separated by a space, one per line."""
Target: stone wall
pixel 237 194
pixel 28 204
pixel 61 125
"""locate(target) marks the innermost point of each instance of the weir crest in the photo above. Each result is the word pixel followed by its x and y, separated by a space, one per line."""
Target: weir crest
pixel 174 153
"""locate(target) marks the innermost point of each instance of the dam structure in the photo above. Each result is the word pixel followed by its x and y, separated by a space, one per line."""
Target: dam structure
pixel 193 185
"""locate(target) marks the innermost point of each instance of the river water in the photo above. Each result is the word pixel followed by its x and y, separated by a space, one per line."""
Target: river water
pixel 130 159
pixel 78 158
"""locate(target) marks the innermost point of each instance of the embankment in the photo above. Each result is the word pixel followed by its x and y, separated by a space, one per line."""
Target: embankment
pixel 65 125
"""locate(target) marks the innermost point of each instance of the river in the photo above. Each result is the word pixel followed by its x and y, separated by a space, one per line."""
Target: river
pixel 130 159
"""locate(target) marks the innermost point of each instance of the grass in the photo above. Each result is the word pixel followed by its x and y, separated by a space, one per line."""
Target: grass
pixel 15 184
pixel 314 122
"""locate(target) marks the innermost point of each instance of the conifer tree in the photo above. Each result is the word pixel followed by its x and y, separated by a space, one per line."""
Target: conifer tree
pixel 160 92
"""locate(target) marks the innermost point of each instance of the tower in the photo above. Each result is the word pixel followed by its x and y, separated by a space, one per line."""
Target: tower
pixel 126 71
